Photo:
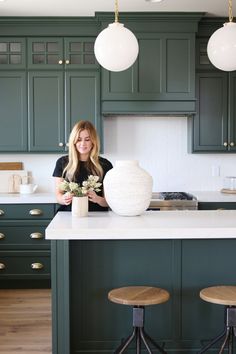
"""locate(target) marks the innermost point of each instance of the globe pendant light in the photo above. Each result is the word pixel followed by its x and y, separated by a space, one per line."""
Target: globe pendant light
pixel 116 47
pixel 221 48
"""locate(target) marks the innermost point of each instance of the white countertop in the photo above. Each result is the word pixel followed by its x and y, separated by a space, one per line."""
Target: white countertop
pixel 34 198
pixel 181 224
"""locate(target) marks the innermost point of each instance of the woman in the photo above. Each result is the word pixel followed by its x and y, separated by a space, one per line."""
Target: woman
pixel 83 160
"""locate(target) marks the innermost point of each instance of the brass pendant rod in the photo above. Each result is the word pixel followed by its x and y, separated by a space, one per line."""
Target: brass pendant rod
pixel 230 11
pixel 116 11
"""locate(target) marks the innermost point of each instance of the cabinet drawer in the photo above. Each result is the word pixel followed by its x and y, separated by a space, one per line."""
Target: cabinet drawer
pixel 26 211
pixel 29 236
pixel 25 264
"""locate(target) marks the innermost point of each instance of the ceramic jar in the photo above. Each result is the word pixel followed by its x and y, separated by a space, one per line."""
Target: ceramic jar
pixel 79 206
pixel 128 188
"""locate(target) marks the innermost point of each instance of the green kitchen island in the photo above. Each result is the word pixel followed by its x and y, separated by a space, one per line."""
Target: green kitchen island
pixel 181 251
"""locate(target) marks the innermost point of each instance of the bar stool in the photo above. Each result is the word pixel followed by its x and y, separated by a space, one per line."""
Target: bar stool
pixel 138 297
pixel 222 295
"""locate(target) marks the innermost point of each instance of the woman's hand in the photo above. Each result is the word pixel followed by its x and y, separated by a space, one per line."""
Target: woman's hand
pixel 94 198
pixel 67 198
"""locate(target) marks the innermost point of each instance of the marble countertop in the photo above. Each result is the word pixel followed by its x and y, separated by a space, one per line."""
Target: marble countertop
pixel 181 224
pixel 34 198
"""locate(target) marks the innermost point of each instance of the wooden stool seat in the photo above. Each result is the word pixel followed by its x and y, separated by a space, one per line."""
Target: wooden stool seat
pixel 221 295
pixel 138 295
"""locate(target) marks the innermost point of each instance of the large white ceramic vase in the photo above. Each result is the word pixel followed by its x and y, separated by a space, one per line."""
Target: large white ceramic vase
pixel 128 188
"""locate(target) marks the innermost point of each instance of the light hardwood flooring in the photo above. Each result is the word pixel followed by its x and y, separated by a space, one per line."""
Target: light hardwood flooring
pixel 25 321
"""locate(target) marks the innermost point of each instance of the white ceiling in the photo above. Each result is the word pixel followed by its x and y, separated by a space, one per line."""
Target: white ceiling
pixel 89 7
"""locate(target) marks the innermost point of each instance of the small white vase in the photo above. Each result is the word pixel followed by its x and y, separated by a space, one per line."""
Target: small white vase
pixel 128 188
pixel 79 206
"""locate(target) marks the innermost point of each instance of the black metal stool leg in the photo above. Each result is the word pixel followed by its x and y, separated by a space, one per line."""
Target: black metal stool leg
pixel 144 341
pixel 212 342
pixel 231 341
pixel 225 340
pixel 138 341
pixel 154 343
pixel 126 343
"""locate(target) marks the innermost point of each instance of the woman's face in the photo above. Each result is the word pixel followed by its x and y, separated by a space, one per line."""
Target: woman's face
pixel 84 144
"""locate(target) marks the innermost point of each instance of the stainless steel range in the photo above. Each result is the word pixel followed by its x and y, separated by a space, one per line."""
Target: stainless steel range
pixel 173 201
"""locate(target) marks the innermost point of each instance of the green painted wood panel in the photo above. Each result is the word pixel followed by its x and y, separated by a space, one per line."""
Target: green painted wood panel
pixel 232 112
pixel 12 53
pixel 13 111
pixel 82 98
pixel 46 111
pixel 79 53
pixel 210 125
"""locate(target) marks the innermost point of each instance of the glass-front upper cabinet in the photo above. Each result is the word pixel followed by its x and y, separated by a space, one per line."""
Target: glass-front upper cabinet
pixel 53 52
pixel 12 53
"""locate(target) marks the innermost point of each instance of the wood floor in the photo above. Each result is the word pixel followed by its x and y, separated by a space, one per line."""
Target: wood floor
pixel 25 321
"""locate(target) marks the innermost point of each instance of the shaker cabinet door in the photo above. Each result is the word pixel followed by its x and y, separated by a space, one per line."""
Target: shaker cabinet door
pixel 46 111
pixel 13 111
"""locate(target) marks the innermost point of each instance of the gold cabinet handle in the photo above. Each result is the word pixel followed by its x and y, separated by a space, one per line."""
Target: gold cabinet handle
pixel 37 265
pixel 2 266
pixel 36 235
pixel 60 62
pixel 1 212
pixel 36 212
pixel 2 236
pixel 225 144
pixel 67 61
pixel 232 143
pixel 61 144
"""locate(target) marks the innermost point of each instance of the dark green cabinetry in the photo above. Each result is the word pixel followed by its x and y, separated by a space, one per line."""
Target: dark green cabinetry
pixel 164 72
pixel 216 205
pixel 24 254
pixel 12 53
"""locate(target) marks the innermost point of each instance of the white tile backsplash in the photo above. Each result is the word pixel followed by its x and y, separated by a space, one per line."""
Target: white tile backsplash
pixel 160 146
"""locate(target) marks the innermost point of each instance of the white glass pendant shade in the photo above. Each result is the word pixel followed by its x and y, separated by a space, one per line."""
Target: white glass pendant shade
pixel 221 48
pixel 116 47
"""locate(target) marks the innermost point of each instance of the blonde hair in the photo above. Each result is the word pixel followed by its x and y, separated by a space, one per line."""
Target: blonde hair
pixel 93 166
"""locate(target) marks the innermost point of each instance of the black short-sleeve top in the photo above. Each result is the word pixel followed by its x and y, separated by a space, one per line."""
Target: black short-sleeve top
pixel 82 176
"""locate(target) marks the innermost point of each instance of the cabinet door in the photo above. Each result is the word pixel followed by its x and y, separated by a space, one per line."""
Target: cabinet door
pixel 232 110
pixel 13 111
pixel 210 123
pixel 164 70
pixel 45 53
pixel 82 98
pixel 79 53
pixel 12 53
pixel 46 111
pixel 202 60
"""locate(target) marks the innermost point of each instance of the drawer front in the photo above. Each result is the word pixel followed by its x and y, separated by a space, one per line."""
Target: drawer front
pixel 26 211
pixel 25 264
pixel 23 237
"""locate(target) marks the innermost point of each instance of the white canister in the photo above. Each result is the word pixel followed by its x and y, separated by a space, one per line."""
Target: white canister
pixel 128 188
pixel 79 206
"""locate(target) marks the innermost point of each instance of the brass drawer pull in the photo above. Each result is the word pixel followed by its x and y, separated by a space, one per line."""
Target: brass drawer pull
pixel 1 212
pixel 36 212
pixel 2 236
pixel 36 235
pixel 37 265
pixel 2 266
pixel 225 144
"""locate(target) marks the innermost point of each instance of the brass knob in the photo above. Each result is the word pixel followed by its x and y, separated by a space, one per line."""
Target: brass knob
pixel 2 236
pixel 36 212
pixel 225 144
pixel 60 62
pixel 232 143
pixel 61 144
pixel 36 235
pixel 2 266
pixel 1 212
pixel 67 61
pixel 37 265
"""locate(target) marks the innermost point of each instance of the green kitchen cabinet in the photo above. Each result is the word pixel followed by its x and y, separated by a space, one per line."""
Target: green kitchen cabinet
pixel 57 101
pixel 216 205
pixel 163 72
pixel 12 53
pixel 213 128
pixel 202 60
pixel 25 254
pixel 13 111
pixel 59 53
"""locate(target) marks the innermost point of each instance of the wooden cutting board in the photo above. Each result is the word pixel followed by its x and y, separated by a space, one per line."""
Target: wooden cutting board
pixel 11 166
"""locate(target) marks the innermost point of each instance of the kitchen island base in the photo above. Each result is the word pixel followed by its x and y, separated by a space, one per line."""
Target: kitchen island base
pixel 83 272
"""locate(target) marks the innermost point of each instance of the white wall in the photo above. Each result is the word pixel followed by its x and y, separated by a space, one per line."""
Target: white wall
pixel 160 146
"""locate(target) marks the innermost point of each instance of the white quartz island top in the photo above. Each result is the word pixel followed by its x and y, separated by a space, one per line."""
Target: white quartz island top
pixel 182 224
